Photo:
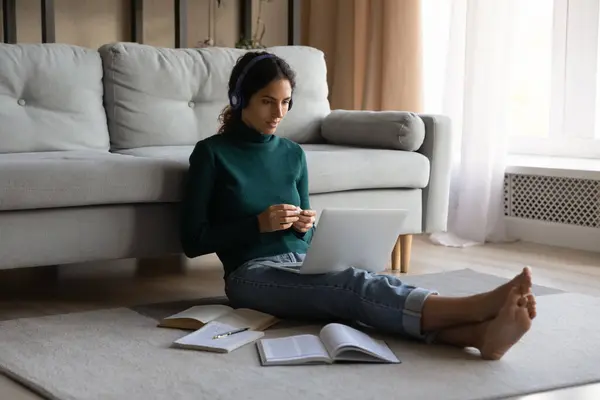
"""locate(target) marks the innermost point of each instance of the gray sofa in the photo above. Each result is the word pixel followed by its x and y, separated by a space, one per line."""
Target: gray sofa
pixel 94 144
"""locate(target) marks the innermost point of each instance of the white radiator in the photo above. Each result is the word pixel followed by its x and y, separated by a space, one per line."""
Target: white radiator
pixel 570 201
pixel 554 210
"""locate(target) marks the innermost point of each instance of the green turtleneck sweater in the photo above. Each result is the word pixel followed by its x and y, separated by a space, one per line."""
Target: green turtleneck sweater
pixel 232 178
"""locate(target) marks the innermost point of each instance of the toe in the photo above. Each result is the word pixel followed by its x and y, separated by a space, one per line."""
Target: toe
pixel 531 306
pixel 528 274
pixel 532 313
pixel 525 281
pixel 514 296
pixel 525 289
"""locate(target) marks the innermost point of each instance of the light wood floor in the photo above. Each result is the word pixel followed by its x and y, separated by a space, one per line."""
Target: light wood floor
pixel 102 285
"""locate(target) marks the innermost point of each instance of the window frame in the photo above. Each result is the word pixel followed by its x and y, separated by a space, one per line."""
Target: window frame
pixel 574 114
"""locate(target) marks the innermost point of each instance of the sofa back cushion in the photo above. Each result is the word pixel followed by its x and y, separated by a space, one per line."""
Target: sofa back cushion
pixel 163 96
pixel 51 99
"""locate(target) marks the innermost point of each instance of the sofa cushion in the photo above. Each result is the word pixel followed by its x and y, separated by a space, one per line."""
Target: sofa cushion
pixel 51 99
pixel 396 130
pixel 82 178
pixel 335 168
pixel 179 154
pixel 162 96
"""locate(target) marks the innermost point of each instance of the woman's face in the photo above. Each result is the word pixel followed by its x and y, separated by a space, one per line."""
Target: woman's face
pixel 268 106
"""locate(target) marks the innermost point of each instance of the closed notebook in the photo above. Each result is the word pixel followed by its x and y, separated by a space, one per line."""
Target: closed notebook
pixel 204 338
pixel 335 343
pixel 196 317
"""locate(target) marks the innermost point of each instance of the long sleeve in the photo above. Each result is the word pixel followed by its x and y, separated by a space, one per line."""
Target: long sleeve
pixel 302 187
pixel 198 236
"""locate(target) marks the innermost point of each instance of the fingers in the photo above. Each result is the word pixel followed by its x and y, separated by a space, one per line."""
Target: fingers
pixel 277 207
pixel 285 213
pixel 287 220
pixel 305 223
pixel 292 210
pixel 306 220
pixel 284 216
pixel 283 219
pixel 302 226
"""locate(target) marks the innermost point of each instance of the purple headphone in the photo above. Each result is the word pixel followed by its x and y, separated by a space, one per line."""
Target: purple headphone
pixel 236 100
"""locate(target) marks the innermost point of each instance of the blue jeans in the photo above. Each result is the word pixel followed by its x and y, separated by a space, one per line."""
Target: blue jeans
pixel 382 302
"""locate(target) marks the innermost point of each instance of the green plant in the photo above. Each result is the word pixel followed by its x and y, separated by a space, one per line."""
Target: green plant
pixel 244 43
pixel 255 42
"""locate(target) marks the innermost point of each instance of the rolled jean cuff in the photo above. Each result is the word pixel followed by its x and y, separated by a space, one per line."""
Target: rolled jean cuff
pixel 412 313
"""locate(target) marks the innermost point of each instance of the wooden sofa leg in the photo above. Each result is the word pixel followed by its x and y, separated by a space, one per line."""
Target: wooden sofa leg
pixel 396 254
pixel 401 253
pixel 168 265
pixel 405 250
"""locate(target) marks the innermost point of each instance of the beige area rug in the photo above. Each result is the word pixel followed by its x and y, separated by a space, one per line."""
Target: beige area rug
pixel 121 354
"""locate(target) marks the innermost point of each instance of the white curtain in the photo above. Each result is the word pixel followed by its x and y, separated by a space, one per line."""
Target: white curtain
pixel 467 66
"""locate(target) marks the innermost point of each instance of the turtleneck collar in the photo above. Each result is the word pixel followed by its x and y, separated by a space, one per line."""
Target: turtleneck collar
pixel 241 131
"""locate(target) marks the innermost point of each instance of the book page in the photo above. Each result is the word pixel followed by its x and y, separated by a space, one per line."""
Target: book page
pixel 247 318
pixel 204 314
pixel 294 348
pixel 338 338
pixel 203 338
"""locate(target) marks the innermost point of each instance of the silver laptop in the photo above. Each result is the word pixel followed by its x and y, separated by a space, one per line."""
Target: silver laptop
pixel 344 238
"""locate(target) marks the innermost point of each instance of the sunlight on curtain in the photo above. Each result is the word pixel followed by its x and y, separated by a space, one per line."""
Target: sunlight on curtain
pixel 486 66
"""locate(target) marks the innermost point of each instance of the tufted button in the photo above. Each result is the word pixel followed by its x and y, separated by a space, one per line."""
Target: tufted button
pixel 21 102
pixel 191 104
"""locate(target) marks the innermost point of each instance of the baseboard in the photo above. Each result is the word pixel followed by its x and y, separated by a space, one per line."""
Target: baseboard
pixel 554 234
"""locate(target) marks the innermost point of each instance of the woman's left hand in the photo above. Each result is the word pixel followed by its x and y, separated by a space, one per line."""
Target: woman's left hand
pixel 305 221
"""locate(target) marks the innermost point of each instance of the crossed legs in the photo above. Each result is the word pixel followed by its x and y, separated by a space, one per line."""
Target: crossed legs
pixel 491 322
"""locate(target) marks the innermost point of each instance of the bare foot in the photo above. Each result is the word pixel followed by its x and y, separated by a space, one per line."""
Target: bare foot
pixel 488 304
pixel 509 326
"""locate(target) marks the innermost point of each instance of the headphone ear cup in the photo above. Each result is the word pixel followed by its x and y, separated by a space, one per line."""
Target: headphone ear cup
pixel 234 101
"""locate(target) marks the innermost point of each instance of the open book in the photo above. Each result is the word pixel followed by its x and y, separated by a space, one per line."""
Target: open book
pixel 335 343
pixel 207 338
pixel 196 317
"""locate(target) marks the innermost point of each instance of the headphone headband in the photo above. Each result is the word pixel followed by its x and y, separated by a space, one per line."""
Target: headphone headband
pixel 235 100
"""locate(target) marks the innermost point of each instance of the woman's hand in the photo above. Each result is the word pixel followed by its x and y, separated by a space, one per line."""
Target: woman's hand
pixel 278 217
pixel 305 221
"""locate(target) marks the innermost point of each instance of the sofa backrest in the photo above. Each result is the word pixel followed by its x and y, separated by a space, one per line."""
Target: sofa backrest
pixel 51 99
pixel 163 96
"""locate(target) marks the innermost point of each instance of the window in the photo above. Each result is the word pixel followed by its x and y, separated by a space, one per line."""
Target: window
pixel 554 89
pixel 568 102
pixel 531 71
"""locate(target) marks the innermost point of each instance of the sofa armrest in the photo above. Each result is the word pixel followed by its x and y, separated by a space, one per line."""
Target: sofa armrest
pixel 396 130
pixel 437 147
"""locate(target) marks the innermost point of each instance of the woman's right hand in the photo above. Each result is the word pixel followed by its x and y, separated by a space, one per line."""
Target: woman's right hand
pixel 278 217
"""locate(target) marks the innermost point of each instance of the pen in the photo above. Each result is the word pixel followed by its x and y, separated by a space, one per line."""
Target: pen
pixel 222 335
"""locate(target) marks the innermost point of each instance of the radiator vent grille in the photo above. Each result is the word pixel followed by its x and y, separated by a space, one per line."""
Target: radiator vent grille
pixel 561 200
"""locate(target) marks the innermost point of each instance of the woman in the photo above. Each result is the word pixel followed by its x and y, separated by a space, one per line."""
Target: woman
pixel 246 199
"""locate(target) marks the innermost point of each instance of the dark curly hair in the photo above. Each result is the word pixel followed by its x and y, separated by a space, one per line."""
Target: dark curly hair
pixel 260 75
